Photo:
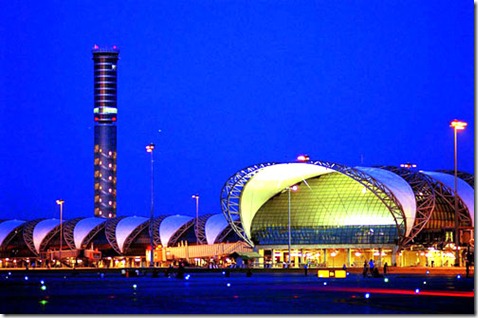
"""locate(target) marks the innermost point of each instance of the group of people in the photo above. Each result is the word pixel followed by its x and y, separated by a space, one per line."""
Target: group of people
pixel 372 269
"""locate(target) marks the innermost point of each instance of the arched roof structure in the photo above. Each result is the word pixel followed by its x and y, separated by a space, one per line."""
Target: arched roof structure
pixel 7 228
pixel 85 228
pixel 465 192
pixel 172 227
pixel 246 192
pixel 214 226
pixel 126 228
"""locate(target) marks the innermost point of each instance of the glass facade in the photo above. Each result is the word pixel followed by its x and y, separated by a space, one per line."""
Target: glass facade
pixel 329 209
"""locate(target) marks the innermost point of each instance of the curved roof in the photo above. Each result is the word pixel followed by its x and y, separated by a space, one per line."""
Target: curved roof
pixel 214 227
pixel 126 226
pixel 41 231
pixel 465 191
pixel 84 227
pixel 171 225
pixel 400 188
pixel 8 227
pixel 266 183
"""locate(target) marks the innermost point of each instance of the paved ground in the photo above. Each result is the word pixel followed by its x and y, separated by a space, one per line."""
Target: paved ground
pixel 207 292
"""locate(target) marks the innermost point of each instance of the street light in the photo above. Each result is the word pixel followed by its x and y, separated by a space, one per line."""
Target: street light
pixel 196 196
pixel 293 188
pixel 60 203
pixel 457 125
pixel 150 148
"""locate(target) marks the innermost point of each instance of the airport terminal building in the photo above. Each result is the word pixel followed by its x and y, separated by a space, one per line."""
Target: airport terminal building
pixel 327 214
pixel 314 213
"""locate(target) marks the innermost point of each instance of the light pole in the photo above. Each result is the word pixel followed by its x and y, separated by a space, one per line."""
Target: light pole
pixel 196 196
pixel 60 203
pixel 457 125
pixel 293 188
pixel 150 148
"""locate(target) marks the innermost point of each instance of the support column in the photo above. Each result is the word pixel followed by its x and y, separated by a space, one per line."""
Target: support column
pixel 273 258
pixel 394 255
pixel 261 259
pixel 349 252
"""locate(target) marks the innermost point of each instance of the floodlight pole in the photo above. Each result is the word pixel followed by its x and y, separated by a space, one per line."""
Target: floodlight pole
pixel 196 227
pixel 457 125
pixel 150 148
pixel 60 203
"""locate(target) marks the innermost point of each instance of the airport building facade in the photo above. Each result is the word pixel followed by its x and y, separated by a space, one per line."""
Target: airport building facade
pixel 325 214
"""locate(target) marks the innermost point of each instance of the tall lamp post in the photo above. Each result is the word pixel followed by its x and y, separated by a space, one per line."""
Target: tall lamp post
pixel 456 125
pixel 196 197
pixel 150 148
pixel 293 188
pixel 60 203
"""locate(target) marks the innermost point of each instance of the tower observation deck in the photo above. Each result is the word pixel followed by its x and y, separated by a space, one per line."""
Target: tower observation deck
pixel 105 115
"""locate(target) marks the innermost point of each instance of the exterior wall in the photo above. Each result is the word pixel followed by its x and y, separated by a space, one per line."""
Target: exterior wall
pixel 105 116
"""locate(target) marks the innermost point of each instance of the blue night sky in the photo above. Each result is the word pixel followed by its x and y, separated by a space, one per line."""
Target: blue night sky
pixel 229 84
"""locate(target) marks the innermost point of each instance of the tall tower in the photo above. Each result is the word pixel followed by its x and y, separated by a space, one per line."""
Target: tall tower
pixel 105 115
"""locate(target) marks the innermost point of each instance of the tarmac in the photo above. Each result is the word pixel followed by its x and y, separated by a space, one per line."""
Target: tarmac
pixel 218 291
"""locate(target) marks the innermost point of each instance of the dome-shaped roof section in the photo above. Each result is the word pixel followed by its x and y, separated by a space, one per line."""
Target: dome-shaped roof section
pixel 465 191
pixel 7 227
pixel 214 226
pixel 400 188
pixel 171 225
pixel 269 181
pixel 84 227
pixel 41 231
pixel 126 226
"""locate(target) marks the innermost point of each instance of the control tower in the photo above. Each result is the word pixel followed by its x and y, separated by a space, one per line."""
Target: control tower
pixel 105 115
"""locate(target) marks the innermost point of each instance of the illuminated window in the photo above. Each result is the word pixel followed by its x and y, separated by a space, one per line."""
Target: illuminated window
pixel 110 178
pixel 109 190
pixel 110 203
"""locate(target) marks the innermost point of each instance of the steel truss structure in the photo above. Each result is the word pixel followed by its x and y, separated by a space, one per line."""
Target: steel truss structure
pixel 423 188
pixel 173 240
pixel 68 229
pixel 11 236
pixel 465 176
pixel 28 235
pixel 110 230
pixel 156 222
pixel 200 228
pixel 231 194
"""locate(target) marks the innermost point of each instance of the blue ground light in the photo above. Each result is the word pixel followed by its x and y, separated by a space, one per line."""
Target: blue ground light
pixel 213 293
